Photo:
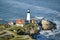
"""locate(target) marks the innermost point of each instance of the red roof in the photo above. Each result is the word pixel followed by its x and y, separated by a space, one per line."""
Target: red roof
pixel 20 21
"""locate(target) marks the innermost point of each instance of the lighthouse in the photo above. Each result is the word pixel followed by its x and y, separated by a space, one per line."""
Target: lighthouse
pixel 28 15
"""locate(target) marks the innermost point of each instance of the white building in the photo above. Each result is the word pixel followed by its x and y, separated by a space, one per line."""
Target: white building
pixel 10 23
pixel 20 22
pixel 28 15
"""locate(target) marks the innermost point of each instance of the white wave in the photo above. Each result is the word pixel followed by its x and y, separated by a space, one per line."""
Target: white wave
pixel 57 23
pixel 49 33
pixel 38 17
pixel 52 32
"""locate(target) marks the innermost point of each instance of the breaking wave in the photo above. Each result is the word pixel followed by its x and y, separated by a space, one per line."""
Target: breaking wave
pixel 51 35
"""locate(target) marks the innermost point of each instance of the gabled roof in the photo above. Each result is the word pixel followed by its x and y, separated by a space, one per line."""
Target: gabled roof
pixel 20 21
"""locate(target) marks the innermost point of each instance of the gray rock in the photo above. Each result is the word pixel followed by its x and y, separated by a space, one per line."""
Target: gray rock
pixel 48 25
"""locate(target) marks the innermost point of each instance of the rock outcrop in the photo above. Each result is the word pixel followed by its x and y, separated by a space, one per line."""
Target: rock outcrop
pixel 48 25
pixel 32 29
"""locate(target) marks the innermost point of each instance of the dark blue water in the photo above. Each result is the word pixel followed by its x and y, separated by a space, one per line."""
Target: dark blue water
pixel 41 37
pixel 16 9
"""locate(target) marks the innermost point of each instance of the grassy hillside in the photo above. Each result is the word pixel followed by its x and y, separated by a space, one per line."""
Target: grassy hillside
pixel 7 32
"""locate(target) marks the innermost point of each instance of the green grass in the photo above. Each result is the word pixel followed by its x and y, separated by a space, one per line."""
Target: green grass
pixel 16 36
pixel 22 37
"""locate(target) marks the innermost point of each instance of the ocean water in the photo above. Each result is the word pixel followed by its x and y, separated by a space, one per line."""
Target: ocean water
pixel 10 10
pixel 49 35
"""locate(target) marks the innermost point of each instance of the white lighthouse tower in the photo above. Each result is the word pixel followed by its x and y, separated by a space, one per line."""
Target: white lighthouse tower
pixel 28 15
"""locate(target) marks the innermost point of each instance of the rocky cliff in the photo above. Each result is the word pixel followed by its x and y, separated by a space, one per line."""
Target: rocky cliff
pixel 48 25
